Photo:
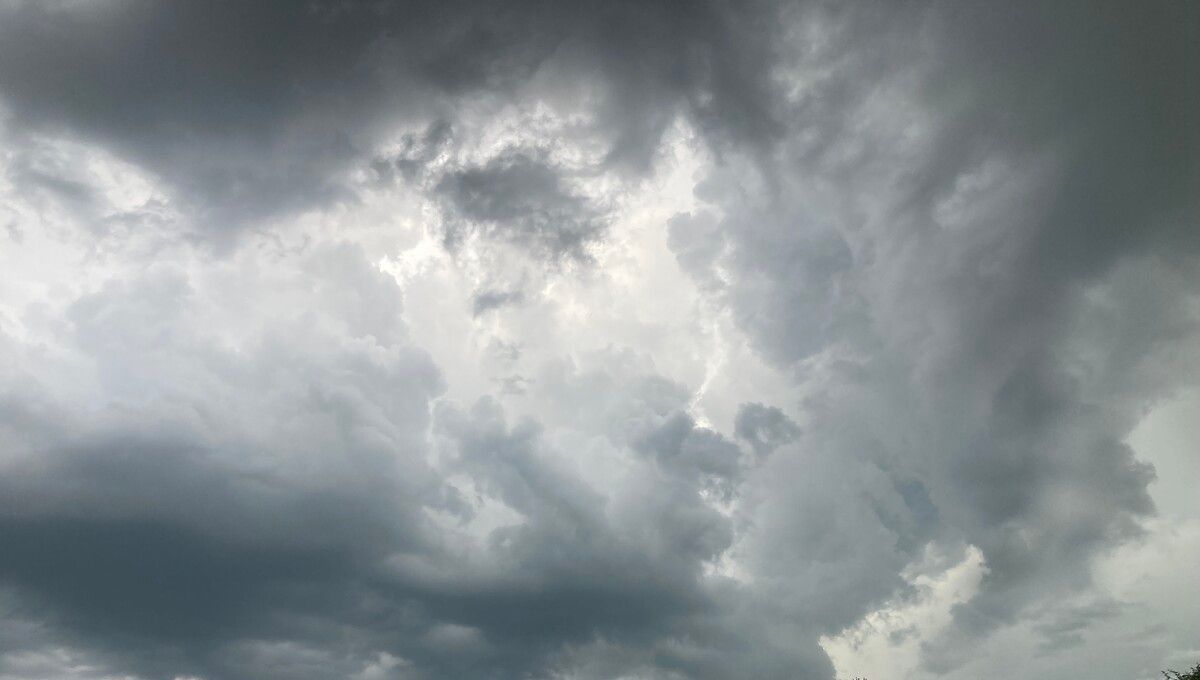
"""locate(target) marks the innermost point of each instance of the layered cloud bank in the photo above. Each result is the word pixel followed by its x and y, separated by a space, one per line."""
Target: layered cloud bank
pixel 596 340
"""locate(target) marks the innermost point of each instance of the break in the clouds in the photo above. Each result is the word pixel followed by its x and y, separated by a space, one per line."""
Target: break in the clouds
pixel 598 339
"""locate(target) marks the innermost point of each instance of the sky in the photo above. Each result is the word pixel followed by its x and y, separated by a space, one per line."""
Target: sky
pixel 588 340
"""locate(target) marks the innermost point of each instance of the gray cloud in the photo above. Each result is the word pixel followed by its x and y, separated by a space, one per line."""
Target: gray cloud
pixel 518 198
pixel 252 111
pixel 678 445
pixel 962 236
pixel 765 427
pixel 265 510
pixel 486 300
pixel 191 508
pixel 1065 629
pixel 958 274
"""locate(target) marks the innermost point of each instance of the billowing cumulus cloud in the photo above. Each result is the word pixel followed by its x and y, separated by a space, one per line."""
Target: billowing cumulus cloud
pixel 595 340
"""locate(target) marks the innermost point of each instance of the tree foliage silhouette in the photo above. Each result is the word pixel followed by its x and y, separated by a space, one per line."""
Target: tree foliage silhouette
pixel 1193 674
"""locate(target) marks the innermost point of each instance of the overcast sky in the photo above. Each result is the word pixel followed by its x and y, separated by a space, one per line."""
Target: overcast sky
pixel 595 340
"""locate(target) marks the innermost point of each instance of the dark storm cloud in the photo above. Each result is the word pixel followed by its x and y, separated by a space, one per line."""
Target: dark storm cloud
pixel 956 216
pixel 191 512
pixel 765 427
pixel 518 198
pixel 967 230
pixel 416 153
pixel 678 445
pixel 263 510
pixel 252 109
pixel 580 573
pixel 203 95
